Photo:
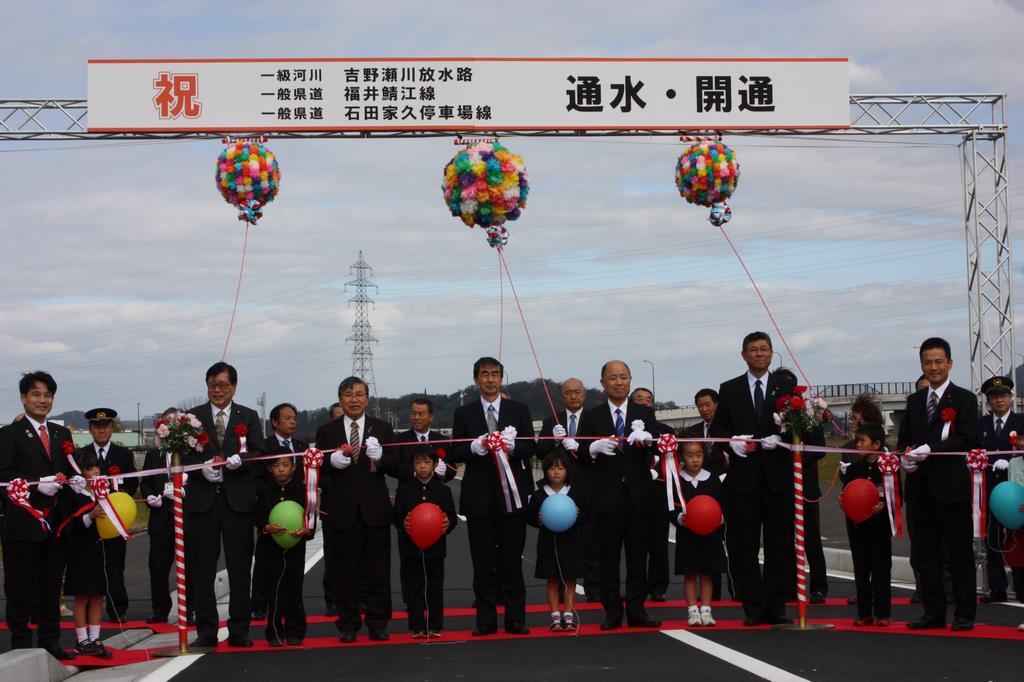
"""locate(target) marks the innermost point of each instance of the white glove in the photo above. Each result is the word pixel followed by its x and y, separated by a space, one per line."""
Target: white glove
pixel 639 436
pixel 479 446
pixel 919 454
pixel 154 500
pixel 1000 465
pixel 654 474
pixel 86 521
pixel 570 444
pixel 681 519
pixel 441 469
pixel 605 446
pixel 211 474
pixel 373 449
pixel 909 465
pixel 77 484
pixel 843 466
pixel 771 442
pixel 48 486
pixel 233 462
pixel 740 446
pixel 558 432
pixel 339 460
pixel 509 436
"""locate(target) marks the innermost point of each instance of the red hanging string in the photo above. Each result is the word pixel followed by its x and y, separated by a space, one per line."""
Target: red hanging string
pixel 238 288
pixel 529 339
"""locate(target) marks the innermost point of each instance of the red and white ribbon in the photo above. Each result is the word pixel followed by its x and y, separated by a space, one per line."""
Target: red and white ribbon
pixel 17 493
pixel 496 444
pixel 68 448
pixel 948 416
pixel 977 461
pixel 101 491
pixel 312 460
pixel 889 464
pixel 667 447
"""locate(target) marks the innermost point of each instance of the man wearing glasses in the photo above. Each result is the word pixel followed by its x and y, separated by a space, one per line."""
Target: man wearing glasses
pixel 219 507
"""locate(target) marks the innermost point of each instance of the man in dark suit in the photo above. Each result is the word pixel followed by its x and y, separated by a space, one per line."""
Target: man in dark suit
pixel 622 493
pixel 995 429
pixel 421 416
pixel 706 400
pixel 940 418
pixel 113 459
pixel 284 419
pixel 657 525
pixel 495 489
pixel 32 449
pixel 219 503
pixel 358 510
pixel 759 486
pixel 562 435
pixel 158 491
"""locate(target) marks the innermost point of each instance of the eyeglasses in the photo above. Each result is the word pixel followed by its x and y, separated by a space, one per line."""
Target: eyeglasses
pixel 219 385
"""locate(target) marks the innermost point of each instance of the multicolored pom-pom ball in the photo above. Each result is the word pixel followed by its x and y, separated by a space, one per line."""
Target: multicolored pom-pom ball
pixel 248 177
pixel 485 184
pixel 706 173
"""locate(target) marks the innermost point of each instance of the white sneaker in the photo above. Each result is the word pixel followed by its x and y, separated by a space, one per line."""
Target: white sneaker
pixel 706 618
pixel 694 619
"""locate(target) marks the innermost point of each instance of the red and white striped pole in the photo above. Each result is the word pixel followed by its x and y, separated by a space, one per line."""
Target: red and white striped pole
pixel 179 551
pixel 798 535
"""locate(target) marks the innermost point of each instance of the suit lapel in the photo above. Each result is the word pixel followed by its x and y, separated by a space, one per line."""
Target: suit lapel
pixel 32 437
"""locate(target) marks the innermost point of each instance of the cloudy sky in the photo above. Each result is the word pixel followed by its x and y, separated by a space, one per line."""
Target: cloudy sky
pixel 121 259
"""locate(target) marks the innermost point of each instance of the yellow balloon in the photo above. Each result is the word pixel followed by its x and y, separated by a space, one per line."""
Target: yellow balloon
pixel 125 506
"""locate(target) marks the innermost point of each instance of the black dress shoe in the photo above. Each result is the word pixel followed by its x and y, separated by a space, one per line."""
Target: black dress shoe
pixel 817 598
pixel 347 637
pixel 776 620
pixel 190 619
pixel 517 629
pixel 205 642
pixel 331 610
pixel 294 641
pixel 274 642
pixel 379 636
pixel 994 598
pixel 483 630
pixel 962 625
pixel 241 641
pixel 915 598
pixel 643 621
pixel 59 652
pixel 922 624
pixel 752 621
pixel 611 623
pixel 258 614
pixel 156 618
pixel 657 597
pixel 852 599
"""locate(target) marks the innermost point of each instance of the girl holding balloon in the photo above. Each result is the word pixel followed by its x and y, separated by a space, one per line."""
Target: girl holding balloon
pixel 554 508
pixel 698 556
pixel 85 578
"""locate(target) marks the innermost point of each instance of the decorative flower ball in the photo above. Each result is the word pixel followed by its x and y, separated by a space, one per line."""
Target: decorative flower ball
pixel 706 173
pixel 485 184
pixel 248 177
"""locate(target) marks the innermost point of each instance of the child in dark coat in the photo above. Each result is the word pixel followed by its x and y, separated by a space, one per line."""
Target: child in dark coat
pixel 284 568
pixel 871 539
pixel 560 557
pixel 422 571
pixel 698 556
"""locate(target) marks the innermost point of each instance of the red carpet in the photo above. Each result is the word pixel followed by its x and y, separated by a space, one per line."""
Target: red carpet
pixel 120 657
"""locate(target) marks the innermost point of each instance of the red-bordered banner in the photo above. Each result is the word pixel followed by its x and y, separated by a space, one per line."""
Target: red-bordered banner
pixel 465 94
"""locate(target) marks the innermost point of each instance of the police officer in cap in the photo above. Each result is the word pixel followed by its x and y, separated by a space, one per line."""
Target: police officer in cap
pixel 115 460
pixel 994 431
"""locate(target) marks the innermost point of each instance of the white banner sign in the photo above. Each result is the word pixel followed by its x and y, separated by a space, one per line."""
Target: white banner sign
pixel 257 95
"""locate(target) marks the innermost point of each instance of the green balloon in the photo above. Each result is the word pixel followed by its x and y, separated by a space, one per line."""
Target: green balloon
pixel 291 515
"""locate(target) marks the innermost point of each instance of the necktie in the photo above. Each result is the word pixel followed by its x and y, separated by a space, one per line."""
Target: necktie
pixel 572 426
pixel 492 419
pixel 707 446
pixel 221 425
pixel 999 426
pixel 758 397
pixel 103 454
pixel 353 440
pixel 288 444
pixel 933 404
pixel 45 438
pixel 620 426
pixel 423 439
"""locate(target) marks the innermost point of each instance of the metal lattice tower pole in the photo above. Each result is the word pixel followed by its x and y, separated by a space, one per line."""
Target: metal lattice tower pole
pixel 362 333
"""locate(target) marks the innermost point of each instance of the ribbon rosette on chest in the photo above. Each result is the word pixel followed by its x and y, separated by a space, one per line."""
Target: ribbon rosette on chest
pixel 948 416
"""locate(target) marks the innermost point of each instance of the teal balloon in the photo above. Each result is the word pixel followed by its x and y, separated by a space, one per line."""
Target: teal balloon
pixel 1005 502
pixel 558 513
pixel 291 515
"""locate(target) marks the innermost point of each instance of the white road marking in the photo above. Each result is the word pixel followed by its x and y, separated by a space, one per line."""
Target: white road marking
pixel 750 664
pixel 171 668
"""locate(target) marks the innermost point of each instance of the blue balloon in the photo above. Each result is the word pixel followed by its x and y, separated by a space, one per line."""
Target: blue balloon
pixel 558 513
pixel 1005 502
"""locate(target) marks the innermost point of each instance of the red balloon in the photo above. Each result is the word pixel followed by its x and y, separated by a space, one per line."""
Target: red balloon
pixel 860 496
pixel 425 524
pixel 703 515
